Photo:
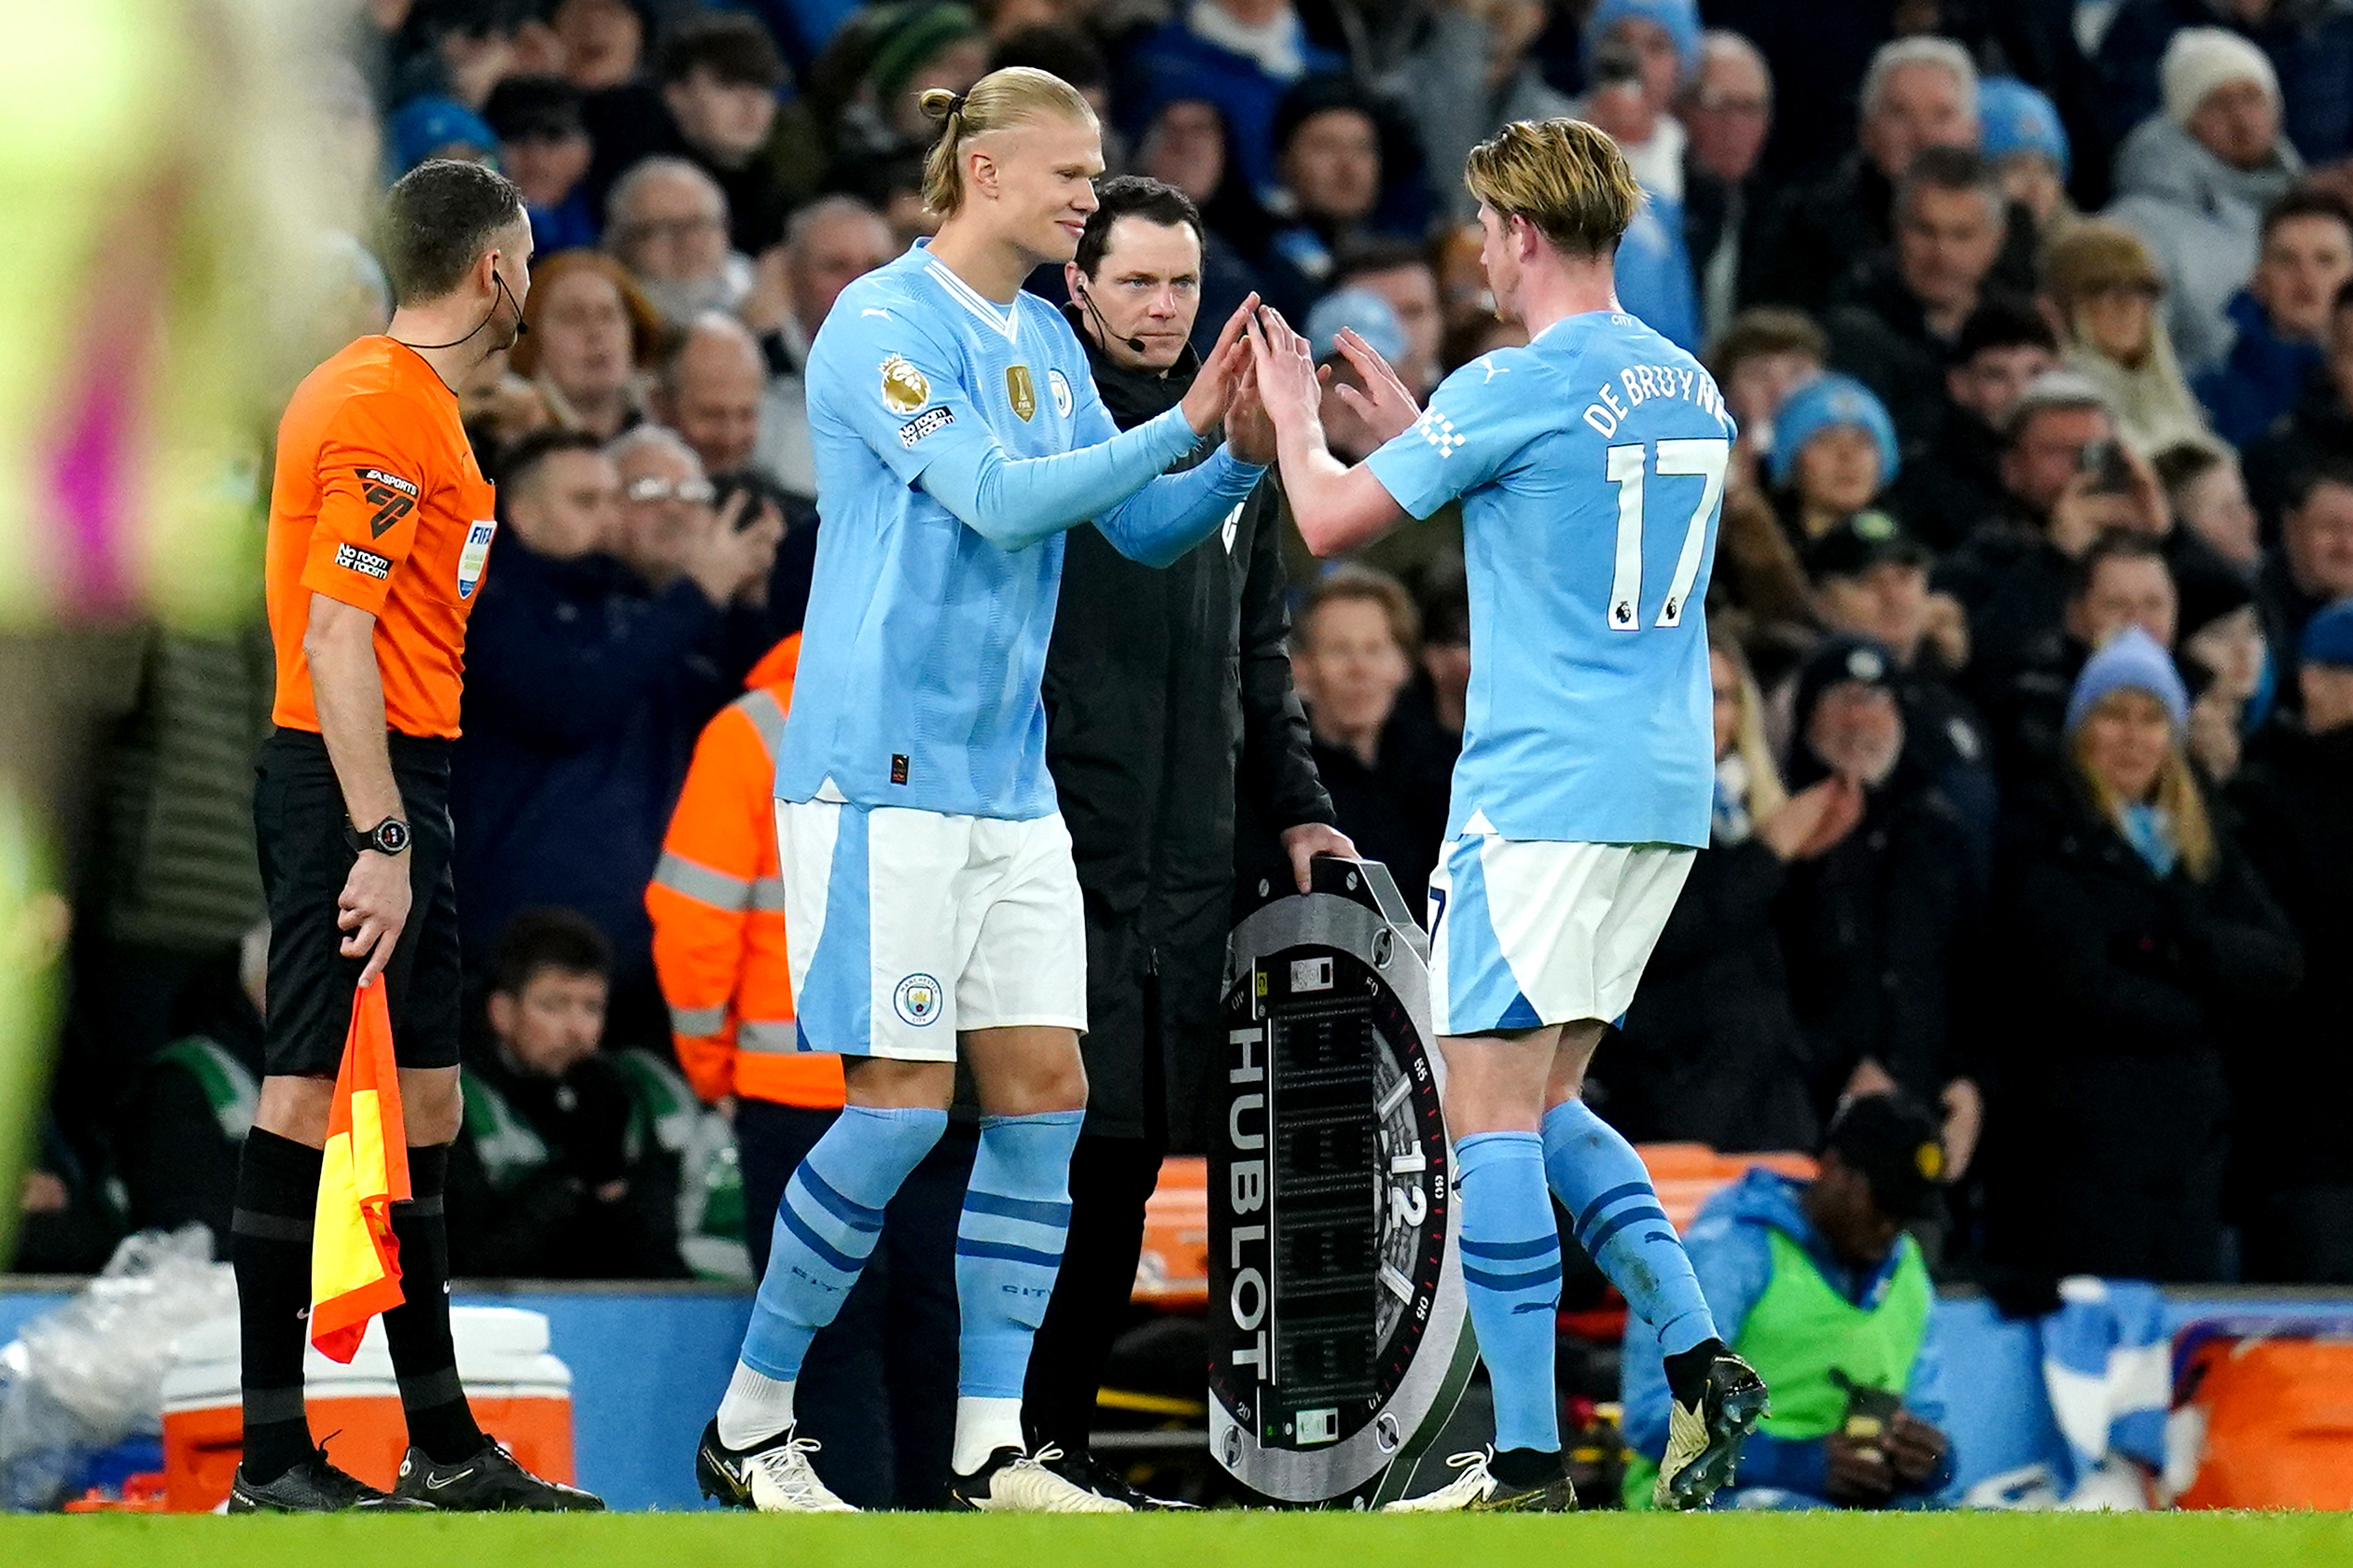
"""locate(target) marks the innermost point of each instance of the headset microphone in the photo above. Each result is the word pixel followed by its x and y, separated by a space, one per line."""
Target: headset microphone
pixel 521 327
pixel 1135 346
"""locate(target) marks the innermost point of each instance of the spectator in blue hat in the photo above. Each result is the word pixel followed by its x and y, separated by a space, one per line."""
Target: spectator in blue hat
pixel 1637 54
pixel 2294 797
pixel 1833 452
pixel 2134 947
pixel 2023 139
pixel 436 127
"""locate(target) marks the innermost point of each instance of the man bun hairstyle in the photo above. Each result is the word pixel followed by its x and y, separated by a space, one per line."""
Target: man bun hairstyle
pixel 1566 178
pixel 998 102
pixel 438 218
pixel 1137 196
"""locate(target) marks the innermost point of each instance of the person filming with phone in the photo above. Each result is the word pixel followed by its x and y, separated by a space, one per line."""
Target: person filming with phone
pixel 2068 482
pixel 1817 1284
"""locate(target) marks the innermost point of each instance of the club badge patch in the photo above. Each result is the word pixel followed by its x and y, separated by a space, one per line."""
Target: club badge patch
pixel 1020 392
pixel 917 1000
pixel 1059 385
pixel 905 389
pixel 470 559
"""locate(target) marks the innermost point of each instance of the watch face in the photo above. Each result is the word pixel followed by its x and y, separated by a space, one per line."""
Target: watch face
pixel 1329 1253
pixel 391 836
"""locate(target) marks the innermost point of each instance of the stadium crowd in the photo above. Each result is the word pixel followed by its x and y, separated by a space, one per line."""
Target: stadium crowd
pixel 2032 617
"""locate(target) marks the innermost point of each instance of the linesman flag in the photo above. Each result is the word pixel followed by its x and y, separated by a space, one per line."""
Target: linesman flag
pixel 355 1260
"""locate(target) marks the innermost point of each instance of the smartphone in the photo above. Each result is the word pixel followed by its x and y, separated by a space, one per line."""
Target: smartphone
pixel 2104 459
pixel 761 487
pixel 1869 1412
pixel 1615 65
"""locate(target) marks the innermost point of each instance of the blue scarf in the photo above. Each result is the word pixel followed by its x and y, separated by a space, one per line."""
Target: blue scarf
pixel 2150 831
pixel 1729 821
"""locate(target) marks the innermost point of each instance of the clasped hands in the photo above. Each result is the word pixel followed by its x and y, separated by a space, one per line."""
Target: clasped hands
pixel 1262 380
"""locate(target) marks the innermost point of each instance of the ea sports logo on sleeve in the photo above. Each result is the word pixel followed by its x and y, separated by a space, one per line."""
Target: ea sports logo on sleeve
pixel 917 1000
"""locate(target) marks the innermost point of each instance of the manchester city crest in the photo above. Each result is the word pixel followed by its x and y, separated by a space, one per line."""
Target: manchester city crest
pixel 917 999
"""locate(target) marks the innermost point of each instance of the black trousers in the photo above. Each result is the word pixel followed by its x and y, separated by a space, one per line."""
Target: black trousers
pixel 1111 1180
pixel 879 1387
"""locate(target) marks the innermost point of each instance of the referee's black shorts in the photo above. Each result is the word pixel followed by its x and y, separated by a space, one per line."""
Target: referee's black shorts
pixel 298 820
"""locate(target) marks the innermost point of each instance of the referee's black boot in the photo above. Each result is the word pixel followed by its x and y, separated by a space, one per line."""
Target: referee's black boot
pixel 314 1486
pixel 491 1482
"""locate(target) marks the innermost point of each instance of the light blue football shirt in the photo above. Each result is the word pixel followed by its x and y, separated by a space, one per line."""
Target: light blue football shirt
pixel 1591 468
pixel 926 638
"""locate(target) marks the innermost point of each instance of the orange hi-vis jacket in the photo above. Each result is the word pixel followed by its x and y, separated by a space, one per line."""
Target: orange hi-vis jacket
pixel 717 903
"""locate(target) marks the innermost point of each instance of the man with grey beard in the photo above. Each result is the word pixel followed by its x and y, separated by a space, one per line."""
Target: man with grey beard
pixel 667 221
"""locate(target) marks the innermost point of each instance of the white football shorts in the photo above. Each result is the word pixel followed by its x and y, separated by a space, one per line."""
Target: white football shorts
pixel 1530 932
pixel 903 927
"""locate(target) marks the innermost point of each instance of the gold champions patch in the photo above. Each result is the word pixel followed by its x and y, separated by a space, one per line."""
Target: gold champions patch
pixel 905 389
pixel 1020 390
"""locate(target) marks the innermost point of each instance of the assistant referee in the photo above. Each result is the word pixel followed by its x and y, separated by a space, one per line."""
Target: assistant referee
pixel 379 528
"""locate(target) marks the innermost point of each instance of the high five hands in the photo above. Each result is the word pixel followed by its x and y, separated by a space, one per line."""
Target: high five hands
pixel 1261 380
pixel 1292 387
pixel 1216 389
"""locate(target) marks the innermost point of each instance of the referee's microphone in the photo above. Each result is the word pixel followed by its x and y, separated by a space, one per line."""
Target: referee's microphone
pixel 1135 346
pixel 523 327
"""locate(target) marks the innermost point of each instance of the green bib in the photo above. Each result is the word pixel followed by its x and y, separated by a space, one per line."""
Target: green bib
pixel 1801 1327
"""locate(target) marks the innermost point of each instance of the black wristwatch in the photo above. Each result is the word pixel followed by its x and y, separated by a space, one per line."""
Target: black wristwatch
pixel 388 836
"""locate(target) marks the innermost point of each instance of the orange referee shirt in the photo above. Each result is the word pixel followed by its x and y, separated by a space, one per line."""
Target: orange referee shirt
pixel 378 503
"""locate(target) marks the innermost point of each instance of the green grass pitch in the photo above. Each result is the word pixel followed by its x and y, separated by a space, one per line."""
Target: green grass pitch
pixel 1223 1540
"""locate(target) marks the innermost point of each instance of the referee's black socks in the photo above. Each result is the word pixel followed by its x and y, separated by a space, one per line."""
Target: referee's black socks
pixel 418 1330
pixel 270 1248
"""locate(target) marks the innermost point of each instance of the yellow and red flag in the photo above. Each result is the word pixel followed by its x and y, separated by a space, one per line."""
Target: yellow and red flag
pixel 355 1260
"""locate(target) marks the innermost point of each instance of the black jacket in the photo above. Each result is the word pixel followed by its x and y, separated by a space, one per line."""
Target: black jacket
pixel 1870 928
pixel 2294 797
pixel 584 695
pixel 530 1168
pixel 1880 335
pixel 2115 997
pixel 1712 1051
pixel 1820 230
pixel 2318 426
pixel 1168 694
pixel 1951 487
